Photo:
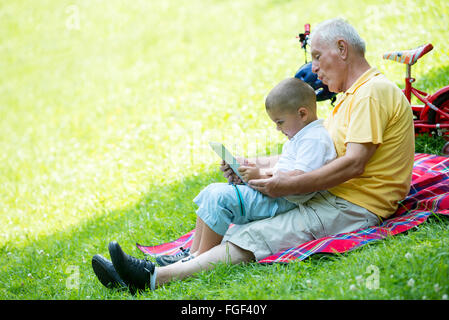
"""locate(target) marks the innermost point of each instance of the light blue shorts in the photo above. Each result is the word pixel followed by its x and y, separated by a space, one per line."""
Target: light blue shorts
pixel 219 206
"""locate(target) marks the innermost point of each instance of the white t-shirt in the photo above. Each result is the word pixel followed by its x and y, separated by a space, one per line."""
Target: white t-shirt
pixel 309 149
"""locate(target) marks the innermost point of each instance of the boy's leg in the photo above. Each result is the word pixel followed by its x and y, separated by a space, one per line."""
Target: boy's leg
pixel 209 239
pixel 221 204
pixel 204 238
pixel 216 207
pixel 197 236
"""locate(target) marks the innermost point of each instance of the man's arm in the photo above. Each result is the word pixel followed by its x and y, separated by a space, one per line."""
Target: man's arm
pixel 289 173
pixel 342 169
pixel 265 162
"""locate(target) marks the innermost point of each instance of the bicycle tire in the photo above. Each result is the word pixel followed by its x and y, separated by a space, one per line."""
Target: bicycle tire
pixel 442 102
pixel 445 149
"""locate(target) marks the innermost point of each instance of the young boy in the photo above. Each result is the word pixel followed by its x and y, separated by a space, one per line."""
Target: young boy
pixel 292 107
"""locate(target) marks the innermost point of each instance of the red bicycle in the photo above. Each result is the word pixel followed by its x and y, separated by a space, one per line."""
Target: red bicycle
pixel 432 117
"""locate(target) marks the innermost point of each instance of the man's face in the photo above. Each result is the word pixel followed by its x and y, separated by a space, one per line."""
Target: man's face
pixel 327 64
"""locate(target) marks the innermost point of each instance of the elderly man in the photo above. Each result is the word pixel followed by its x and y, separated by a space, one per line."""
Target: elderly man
pixel 372 129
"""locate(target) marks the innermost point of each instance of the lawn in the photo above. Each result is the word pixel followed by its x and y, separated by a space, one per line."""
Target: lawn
pixel 106 108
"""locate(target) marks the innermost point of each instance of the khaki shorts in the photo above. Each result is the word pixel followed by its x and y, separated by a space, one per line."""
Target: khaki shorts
pixel 323 215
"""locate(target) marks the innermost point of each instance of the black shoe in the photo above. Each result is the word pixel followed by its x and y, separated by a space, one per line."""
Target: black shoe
pixel 165 260
pixel 137 273
pixel 105 272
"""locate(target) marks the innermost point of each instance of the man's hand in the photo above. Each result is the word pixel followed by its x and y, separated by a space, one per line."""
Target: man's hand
pixel 269 187
pixel 249 171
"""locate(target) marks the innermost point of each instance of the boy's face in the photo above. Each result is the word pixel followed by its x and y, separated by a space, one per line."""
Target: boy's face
pixel 288 122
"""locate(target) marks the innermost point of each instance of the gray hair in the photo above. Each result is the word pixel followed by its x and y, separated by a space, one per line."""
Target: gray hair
pixel 332 29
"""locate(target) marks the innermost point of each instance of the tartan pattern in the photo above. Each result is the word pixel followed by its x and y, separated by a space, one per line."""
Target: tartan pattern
pixel 429 194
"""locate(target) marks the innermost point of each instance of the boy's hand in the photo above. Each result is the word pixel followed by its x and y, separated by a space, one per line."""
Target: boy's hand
pixel 229 174
pixel 249 171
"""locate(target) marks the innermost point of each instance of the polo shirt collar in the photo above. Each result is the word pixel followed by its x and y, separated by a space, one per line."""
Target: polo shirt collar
pixel 300 133
pixel 368 75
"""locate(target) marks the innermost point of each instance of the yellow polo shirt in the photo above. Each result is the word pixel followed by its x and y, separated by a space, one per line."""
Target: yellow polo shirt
pixel 375 110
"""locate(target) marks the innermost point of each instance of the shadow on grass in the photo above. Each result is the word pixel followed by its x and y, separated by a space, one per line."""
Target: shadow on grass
pixel 163 214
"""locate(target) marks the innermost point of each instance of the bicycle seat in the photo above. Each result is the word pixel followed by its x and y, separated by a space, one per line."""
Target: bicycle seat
pixel 408 56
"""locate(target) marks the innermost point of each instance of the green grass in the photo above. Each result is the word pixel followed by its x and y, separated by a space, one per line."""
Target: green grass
pixel 104 130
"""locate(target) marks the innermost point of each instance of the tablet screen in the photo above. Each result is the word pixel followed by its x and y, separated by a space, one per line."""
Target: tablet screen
pixel 224 154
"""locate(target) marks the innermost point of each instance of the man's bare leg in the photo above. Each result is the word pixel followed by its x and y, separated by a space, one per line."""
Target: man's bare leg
pixel 225 252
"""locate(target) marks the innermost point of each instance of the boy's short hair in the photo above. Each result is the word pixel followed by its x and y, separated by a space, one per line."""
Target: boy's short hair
pixel 290 95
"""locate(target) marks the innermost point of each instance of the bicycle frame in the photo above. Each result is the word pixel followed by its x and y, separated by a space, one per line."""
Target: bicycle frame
pixel 427 99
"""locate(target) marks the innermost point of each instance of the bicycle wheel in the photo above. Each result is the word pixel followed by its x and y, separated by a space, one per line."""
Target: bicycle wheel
pixel 445 149
pixel 442 103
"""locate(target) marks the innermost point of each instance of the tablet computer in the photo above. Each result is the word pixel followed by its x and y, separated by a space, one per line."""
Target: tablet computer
pixel 224 154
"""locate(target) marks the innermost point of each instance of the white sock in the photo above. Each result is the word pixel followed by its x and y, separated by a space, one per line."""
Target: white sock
pixel 153 280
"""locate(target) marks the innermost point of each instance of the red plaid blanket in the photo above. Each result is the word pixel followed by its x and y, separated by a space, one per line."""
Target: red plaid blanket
pixel 429 194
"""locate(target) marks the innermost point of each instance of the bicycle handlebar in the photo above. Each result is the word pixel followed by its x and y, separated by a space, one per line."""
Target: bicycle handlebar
pixel 307 28
pixel 304 36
